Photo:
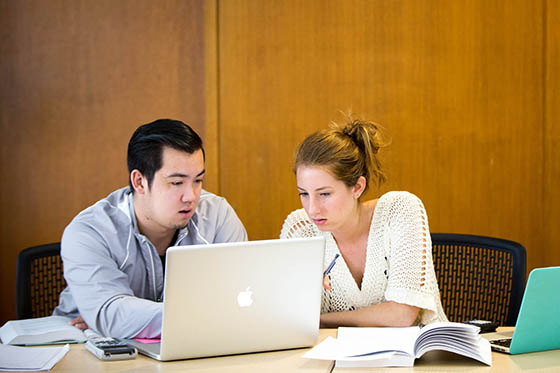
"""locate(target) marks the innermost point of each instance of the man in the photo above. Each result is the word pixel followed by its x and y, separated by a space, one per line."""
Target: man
pixel 114 251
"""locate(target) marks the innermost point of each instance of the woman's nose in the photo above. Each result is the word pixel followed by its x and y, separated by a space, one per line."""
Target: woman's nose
pixel 313 206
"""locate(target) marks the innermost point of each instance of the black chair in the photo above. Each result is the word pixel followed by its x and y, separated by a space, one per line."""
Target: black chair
pixel 39 281
pixel 479 277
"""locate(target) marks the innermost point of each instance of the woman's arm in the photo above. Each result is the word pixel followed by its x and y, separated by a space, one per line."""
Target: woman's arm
pixel 382 314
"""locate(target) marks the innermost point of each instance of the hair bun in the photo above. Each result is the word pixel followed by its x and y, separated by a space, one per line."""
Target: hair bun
pixel 364 134
pixel 351 130
pixel 346 160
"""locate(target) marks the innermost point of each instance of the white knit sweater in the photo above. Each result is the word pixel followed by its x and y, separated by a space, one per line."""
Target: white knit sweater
pixel 399 264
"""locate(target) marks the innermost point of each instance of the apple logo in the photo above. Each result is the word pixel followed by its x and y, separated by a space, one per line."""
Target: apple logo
pixel 245 298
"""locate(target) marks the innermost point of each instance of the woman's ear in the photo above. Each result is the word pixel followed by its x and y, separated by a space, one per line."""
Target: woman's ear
pixel 359 187
pixel 137 180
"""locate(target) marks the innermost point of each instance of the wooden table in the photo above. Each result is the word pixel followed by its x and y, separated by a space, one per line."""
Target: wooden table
pixel 79 359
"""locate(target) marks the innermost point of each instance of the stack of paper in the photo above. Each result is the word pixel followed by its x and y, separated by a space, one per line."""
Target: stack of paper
pixel 13 358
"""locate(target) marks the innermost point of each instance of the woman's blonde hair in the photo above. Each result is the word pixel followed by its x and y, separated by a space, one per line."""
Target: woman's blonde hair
pixel 347 152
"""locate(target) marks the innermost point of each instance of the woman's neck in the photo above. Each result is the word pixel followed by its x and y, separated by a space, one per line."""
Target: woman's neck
pixel 357 226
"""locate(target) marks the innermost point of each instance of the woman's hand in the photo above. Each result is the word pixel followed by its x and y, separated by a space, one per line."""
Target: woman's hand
pixel 327 283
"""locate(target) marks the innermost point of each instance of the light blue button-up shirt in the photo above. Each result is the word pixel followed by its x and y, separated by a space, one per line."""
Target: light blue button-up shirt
pixel 114 273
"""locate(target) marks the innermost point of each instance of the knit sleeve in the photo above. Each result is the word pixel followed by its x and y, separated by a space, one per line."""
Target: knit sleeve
pixel 411 272
pixel 298 225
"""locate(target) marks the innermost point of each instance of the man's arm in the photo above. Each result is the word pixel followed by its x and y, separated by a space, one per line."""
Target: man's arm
pixel 101 291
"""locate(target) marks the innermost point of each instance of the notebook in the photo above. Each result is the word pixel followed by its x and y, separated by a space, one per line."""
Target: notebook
pixel 231 298
pixel 538 323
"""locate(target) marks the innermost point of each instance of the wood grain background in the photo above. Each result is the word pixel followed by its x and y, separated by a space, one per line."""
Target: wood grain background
pixel 78 77
pixel 468 91
pixel 458 85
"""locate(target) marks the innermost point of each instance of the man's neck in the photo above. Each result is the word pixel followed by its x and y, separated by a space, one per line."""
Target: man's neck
pixel 162 243
pixel 160 237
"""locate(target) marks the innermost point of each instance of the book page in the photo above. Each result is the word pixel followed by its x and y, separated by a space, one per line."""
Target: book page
pixel 335 349
pixel 328 349
pixel 389 359
pixel 368 347
pixel 375 347
pixel 42 325
pixel 368 340
pixel 456 326
pixel 459 338
pixel 43 330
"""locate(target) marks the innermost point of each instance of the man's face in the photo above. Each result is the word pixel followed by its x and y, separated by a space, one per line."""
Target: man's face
pixel 175 191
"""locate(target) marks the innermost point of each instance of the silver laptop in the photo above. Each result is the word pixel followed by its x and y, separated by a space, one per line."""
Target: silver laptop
pixel 241 297
pixel 538 323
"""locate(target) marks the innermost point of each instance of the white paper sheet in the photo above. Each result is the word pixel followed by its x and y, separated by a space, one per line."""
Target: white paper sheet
pixel 15 358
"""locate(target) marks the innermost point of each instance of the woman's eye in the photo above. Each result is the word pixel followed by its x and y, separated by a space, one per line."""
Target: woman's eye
pixel 177 182
pixel 303 194
pixel 325 194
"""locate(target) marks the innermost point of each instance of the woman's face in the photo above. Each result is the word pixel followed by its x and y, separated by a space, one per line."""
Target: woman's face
pixel 327 201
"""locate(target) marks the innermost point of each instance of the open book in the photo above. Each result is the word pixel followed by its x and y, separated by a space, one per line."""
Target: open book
pixel 42 330
pixel 376 347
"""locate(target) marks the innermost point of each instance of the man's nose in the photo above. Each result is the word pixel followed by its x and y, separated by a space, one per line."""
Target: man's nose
pixel 188 194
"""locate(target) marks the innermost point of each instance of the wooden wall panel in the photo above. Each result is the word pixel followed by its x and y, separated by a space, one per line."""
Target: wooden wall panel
pixel 458 85
pixel 551 198
pixel 211 127
pixel 78 76
pixel 468 91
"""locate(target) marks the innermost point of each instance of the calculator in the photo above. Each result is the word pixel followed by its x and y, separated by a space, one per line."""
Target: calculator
pixel 105 348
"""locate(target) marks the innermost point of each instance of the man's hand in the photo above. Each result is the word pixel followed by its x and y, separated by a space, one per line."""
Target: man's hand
pixel 79 323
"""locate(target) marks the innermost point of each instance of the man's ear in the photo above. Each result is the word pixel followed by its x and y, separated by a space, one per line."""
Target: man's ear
pixel 359 187
pixel 139 182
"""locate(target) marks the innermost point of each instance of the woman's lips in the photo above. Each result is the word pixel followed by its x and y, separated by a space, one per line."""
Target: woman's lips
pixel 319 221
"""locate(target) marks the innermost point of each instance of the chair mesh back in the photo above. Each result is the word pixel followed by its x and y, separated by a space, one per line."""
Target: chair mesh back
pixel 39 280
pixel 470 284
pixel 479 277
pixel 46 283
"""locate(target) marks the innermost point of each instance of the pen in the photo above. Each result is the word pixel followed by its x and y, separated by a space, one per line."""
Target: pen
pixel 330 267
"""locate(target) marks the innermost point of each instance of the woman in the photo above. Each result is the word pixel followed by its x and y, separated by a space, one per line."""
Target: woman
pixel 384 275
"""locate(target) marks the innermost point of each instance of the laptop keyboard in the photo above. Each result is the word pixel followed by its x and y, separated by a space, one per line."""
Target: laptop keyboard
pixel 502 342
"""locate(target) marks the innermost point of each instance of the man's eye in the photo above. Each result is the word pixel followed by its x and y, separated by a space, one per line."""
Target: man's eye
pixel 198 181
pixel 303 194
pixel 325 194
pixel 176 182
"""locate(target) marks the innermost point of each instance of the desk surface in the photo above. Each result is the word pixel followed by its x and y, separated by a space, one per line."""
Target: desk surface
pixel 79 359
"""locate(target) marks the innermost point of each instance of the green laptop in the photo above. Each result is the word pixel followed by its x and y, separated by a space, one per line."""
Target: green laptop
pixel 538 322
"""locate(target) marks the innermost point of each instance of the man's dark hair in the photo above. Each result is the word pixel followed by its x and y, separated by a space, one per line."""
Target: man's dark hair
pixel 145 148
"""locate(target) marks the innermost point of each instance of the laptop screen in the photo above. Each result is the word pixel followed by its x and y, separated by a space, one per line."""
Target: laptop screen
pixel 241 297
